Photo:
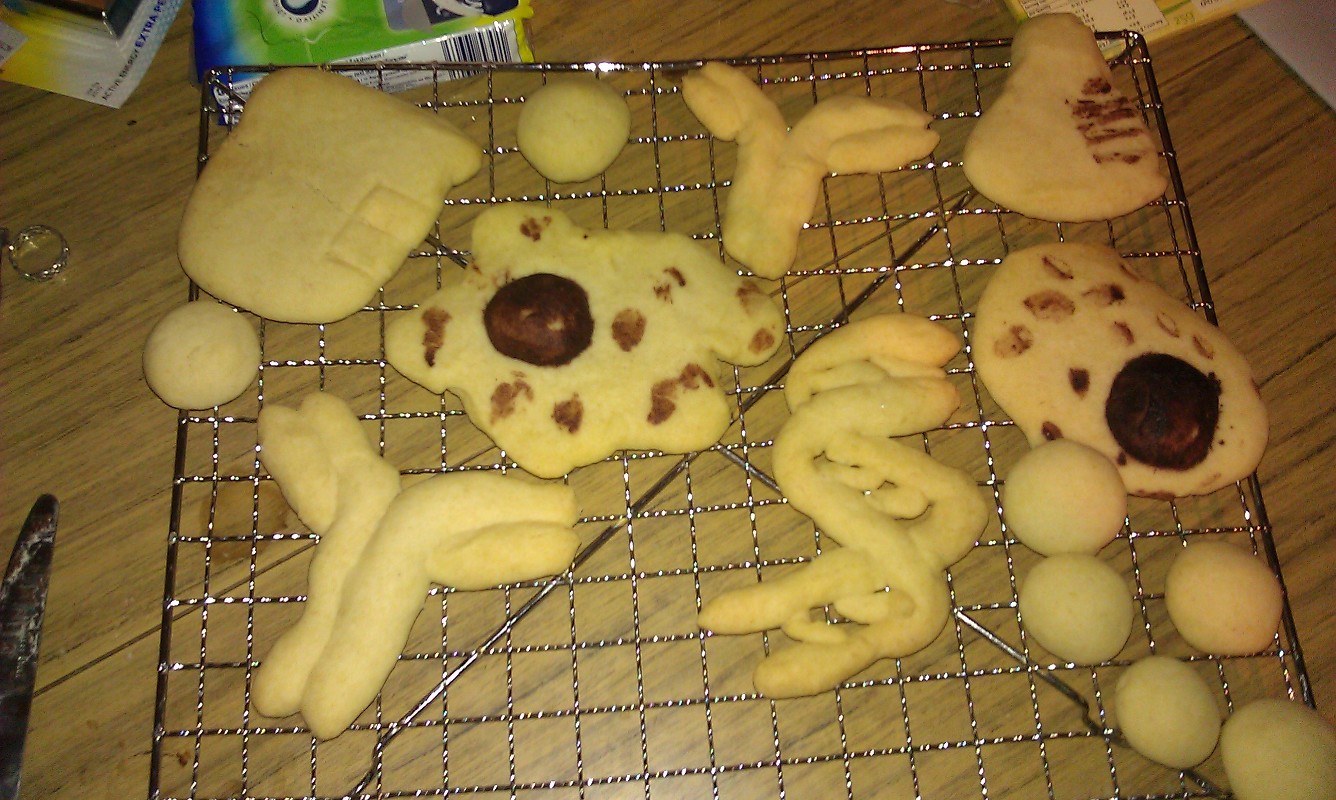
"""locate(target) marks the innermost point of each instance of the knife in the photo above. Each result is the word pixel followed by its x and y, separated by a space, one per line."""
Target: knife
pixel 22 604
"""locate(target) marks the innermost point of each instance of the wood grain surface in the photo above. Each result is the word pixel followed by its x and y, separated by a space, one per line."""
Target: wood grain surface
pixel 76 419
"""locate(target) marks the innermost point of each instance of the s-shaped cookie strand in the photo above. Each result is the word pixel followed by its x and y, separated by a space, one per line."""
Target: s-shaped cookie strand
pixel 777 182
pixel 900 516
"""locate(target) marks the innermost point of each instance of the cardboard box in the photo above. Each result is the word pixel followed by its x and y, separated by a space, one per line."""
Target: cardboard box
pixel 238 33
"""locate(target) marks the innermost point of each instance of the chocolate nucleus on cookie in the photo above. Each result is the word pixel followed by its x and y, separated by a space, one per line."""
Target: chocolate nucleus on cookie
pixel 1073 344
pixel 566 345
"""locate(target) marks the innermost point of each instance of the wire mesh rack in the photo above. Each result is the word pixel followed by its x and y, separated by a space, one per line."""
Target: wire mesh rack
pixel 598 684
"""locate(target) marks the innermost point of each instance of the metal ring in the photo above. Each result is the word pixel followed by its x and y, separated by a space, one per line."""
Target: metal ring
pixel 37 252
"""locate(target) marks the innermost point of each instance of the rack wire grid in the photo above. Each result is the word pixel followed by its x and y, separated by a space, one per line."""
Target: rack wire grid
pixel 598 684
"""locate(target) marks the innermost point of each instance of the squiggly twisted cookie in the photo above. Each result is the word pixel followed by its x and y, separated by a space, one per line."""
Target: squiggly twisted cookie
pixel 901 516
pixel 778 177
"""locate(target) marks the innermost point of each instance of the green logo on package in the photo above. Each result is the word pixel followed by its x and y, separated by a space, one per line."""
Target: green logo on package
pixel 300 14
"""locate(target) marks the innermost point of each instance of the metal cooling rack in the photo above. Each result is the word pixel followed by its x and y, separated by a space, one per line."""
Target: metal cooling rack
pixel 598 684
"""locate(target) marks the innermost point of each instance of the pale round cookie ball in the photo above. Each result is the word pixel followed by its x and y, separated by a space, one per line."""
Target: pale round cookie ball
pixel 1222 599
pixel 1166 712
pixel 1064 497
pixel 1077 607
pixel 1279 750
pixel 573 128
pixel 200 355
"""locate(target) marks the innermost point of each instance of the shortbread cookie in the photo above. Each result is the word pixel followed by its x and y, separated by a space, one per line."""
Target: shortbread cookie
pixel 1166 712
pixel 567 345
pixel 899 516
pixel 332 475
pixel 778 178
pixel 1073 344
pixel 1276 749
pixel 201 355
pixel 317 196
pixel 1222 599
pixel 466 530
pixel 1078 607
pixel 1062 143
pixel 1063 497
pixel 573 128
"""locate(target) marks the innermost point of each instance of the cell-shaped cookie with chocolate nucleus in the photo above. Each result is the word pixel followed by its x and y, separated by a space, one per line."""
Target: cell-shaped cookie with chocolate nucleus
pixel 567 345
pixel 1072 343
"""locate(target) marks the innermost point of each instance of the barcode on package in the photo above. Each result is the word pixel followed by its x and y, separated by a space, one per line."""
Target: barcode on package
pixel 498 43
pixel 494 43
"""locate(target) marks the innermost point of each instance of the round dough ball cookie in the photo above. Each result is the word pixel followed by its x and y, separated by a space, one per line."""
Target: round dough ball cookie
pixel 1064 497
pixel 1222 599
pixel 1077 607
pixel 1167 712
pixel 200 355
pixel 573 128
pixel 1279 750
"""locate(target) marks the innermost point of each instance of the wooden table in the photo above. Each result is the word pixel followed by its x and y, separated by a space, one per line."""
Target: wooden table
pixel 1253 144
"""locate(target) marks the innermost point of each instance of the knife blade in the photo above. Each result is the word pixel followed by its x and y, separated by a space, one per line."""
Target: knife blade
pixel 22 605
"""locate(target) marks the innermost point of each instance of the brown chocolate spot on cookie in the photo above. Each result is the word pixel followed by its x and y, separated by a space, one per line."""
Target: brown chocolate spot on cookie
pixel 434 337
pixel 664 291
pixel 1121 459
pixel 1167 324
pixel 1061 272
pixel 749 290
pixel 1096 86
pixel 569 413
pixel 541 319
pixel 762 341
pixel 1080 380
pixel 533 229
pixel 663 395
pixel 1050 431
pixel 1203 347
pixel 1126 158
pixel 1050 304
pixel 1125 331
pixel 1163 411
pixel 505 396
pixel 694 375
pixel 628 328
pixel 1015 341
pixel 1105 294
pixel 661 401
